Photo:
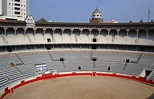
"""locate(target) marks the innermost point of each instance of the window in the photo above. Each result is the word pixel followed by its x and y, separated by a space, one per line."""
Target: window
pixel 79 67
pixel 94 46
pixel 94 59
pixel 17 0
pixel 94 40
pixel 108 68
pixel 17 8
pixel 16 12
pixel 48 47
pixel 48 40
pixel 17 4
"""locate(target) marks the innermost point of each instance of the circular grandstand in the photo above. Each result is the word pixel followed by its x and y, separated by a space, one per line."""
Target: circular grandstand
pixel 26 67
pixel 108 60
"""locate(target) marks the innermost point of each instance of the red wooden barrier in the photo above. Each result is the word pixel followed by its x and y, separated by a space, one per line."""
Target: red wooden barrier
pixel 51 76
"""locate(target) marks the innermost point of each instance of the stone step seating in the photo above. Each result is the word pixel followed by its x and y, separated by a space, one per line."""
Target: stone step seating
pixel 71 61
pixel 3 80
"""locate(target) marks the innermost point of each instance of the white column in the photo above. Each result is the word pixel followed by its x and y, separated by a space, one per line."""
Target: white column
pixel 0 7
pixel 62 34
pixel 147 36
pixel 108 35
pixel 137 38
pixel 71 35
pixel 34 34
pixel 43 34
pixel 53 36
pixel 127 35
pixel 15 33
pixel 89 34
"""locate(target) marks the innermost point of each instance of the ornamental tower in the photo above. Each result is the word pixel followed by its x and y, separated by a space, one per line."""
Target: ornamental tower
pixel 96 17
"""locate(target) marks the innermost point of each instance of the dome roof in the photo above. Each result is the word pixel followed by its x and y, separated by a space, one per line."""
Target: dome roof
pixel 96 14
pixel 96 11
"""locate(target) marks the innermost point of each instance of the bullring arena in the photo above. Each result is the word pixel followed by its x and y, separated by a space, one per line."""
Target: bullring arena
pixel 64 80
pixel 60 60
pixel 84 87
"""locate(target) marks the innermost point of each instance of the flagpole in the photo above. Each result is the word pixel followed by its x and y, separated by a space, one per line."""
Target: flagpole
pixel 149 11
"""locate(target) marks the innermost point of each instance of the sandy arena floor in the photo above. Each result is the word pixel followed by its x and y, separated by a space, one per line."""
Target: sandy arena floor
pixel 84 87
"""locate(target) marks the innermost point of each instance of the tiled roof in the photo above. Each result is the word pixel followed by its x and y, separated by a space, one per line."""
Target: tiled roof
pixel 42 20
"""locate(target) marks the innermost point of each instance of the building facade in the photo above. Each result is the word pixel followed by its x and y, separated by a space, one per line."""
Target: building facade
pixel 13 9
pixel 30 34
pixel 19 35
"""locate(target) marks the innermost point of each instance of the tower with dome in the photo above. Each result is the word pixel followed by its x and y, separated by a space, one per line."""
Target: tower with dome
pixel 96 16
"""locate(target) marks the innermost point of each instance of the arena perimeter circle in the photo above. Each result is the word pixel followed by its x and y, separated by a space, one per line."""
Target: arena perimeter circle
pixel 83 87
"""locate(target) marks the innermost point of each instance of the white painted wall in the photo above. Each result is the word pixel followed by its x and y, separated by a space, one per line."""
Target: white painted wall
pixel 0 7
pixel 8 9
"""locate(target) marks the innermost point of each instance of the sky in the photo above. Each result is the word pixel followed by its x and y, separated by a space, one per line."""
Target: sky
pixel 81 10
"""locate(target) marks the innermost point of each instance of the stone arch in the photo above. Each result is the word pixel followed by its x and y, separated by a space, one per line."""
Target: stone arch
pixel 86 31
pixel 142 36
pixel 132 36
pixel 30 30
pixel 39 35
pixel 49 30
pixel 142 33
pixel 112 35
pixel 49 35
pixel 151 36
pixel 10 35
pixel 58 35
pixel 123 33
pixel 30 34
pixel 76 35
pixel 67 31
pixel 104 32
pixel 20 30
pixel 95 32
pixel 132 33
pixel 85 35
pixel 40 30
pixel 102 37
pixel 2 31
pixel 122 36
pixel 76 31
pixel 10 30
pixel 67 35
pixel 113 32
pixel 20 35
pixel 58 31
pixel 2 36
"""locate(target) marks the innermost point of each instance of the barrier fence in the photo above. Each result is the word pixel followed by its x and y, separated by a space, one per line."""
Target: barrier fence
pixel 67 74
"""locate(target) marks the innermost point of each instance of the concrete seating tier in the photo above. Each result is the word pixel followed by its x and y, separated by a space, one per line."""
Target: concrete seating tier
pixel 24 63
